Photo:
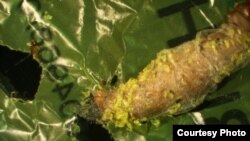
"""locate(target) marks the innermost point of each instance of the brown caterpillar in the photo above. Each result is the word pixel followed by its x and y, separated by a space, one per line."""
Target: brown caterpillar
pixel 180 78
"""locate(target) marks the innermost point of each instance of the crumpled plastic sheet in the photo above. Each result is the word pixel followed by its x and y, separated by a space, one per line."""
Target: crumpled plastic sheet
pixel 87 42
pixel 34 120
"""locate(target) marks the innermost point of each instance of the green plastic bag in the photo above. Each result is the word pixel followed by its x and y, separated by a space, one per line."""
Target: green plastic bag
pixel 84 44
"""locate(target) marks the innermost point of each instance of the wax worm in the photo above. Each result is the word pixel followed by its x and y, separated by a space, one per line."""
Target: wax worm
pixel 179 78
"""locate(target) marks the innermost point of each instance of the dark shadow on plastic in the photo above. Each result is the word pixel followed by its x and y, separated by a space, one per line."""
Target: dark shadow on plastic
pixel 219 101
pixel 90 131
pixel 114 80
pixel 20 73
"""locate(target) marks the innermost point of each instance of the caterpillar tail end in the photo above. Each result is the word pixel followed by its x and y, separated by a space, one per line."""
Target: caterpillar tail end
pixel 240 16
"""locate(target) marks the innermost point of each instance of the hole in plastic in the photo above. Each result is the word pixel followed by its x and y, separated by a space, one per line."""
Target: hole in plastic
pixel 90 131
pixel 19 74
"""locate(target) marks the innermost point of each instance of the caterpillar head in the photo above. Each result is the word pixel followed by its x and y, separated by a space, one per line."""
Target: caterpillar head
pixel 89 109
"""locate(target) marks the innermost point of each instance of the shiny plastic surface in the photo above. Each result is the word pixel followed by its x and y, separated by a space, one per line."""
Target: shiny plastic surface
pixel 82 44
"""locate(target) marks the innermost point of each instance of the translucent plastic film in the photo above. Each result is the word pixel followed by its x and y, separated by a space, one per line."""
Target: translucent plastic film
pixel 54 53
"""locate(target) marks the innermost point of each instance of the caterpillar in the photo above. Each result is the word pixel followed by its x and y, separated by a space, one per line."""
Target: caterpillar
pixel 179 79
